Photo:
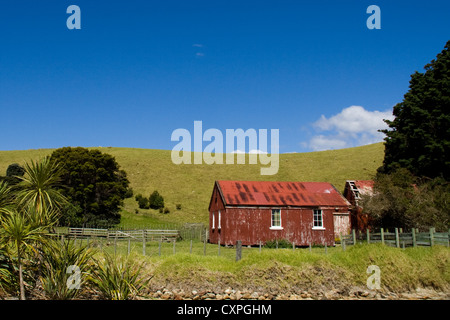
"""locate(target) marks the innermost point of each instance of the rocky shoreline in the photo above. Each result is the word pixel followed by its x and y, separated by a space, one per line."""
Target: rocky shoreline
pixel 355 293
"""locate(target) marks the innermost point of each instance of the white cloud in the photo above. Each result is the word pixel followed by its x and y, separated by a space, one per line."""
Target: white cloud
pixel 321 142
pixel 253 151
pixel 353 126
pixel 198 54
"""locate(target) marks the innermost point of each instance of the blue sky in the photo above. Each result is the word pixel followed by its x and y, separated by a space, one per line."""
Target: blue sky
pixel 138 70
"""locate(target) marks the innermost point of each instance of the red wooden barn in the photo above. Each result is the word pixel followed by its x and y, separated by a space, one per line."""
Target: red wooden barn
pixel 352 192
pixel 257 211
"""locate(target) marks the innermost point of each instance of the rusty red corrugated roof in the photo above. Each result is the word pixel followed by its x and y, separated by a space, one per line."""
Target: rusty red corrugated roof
pixel 280 193
pixel 364 186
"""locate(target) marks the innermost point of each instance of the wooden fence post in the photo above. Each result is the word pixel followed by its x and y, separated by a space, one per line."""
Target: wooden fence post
pixel 174 246
pixel 397 239
pixel 354 236
pixel 260 245
pixel 326 251
pixel 218 247
pixel 204 246
pixel 143 242
pixel 382 235
pixel 310 247
pixel 238 250
pixel 413 234
pixel 431 237
pixel 293 245
pixel 448 236
pixel 368 235
pixel 115 246
pixel 190 247
pixel 129 246
pixel 159 247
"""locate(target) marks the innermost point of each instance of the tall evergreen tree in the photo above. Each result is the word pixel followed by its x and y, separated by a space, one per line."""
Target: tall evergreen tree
pixel 94 185
pixel 419 136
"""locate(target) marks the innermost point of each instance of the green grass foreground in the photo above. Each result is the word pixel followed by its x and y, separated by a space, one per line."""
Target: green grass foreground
pixel 288 270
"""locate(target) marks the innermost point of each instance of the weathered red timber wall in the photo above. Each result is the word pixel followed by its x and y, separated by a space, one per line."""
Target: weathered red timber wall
pixel 216 205
pixel 342 223
pixel 252 225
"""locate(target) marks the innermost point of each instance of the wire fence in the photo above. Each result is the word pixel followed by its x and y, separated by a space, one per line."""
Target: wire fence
pixel 398 238
pixel 163 242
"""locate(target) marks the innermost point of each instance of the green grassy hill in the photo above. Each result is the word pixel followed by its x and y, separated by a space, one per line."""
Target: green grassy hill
pixel 191 185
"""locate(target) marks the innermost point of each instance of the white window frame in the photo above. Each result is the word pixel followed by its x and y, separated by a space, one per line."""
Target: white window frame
pixel 219 219
pixel 272 226
pixel 321 227
pixel 213 221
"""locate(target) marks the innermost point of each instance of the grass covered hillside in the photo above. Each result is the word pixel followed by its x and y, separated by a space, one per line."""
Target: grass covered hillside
pixel 191 185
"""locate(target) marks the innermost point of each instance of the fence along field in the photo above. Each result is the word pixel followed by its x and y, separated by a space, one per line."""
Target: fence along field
pixel 398 238
pixel 193 240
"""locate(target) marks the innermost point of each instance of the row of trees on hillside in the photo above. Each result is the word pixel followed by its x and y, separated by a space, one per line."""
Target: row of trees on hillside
pixel 154 201
pixel 412 186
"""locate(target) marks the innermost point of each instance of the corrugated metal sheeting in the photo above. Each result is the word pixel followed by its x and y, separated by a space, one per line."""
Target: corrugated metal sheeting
pixel 268 193
pixel 257 211
pixel 352 192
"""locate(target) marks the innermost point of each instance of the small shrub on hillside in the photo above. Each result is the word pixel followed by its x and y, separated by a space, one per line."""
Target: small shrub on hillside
pixel 156 200
pixel 129 193
pixel 143 202
pixel 166 210
pixel 178 206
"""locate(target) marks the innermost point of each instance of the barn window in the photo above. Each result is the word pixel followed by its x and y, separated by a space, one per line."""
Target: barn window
pixel 213 222
pixel 276 219
pixel 318 219
pixel 218 222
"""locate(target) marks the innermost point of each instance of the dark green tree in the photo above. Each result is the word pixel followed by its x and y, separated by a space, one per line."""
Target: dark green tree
pixel 94 185
pixel 13 173
pixel 402 200
pixel 142 201
pixel 419 136
pixel 15 169
pixel 156 200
